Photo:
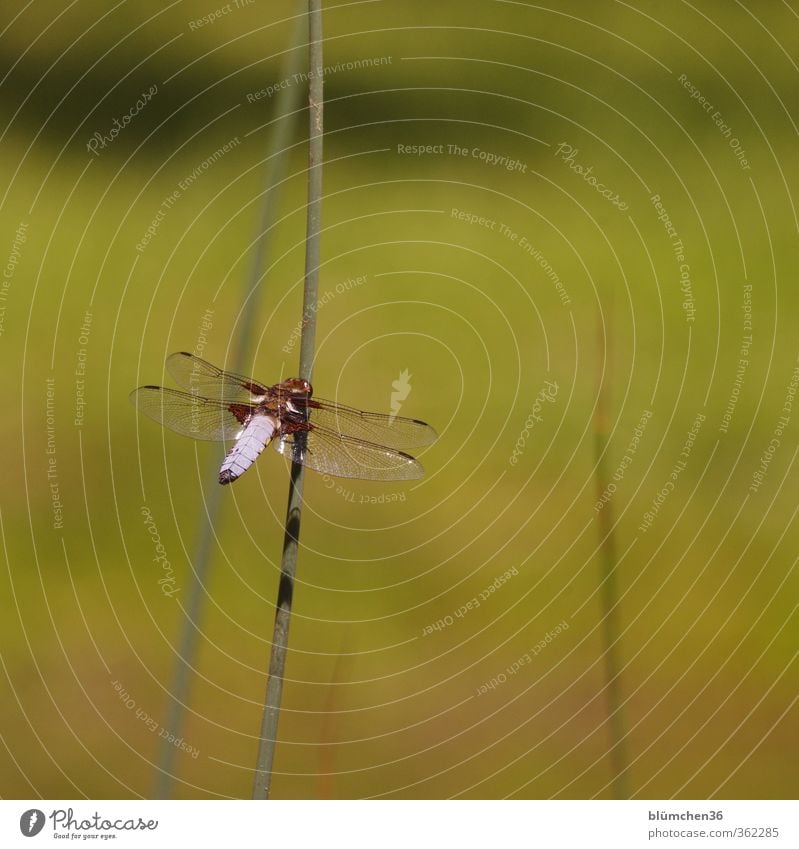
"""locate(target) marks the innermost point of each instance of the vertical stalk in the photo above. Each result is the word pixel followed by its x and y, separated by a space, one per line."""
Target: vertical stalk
pixel 609 597
pixel 286 104
pixel 277 660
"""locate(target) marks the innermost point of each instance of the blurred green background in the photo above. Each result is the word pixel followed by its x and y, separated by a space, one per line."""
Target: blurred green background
pixel 377 702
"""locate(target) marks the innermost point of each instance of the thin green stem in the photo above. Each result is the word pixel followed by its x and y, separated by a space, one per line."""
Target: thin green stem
pixel 609 596
pixel 286 107
pixel 288 569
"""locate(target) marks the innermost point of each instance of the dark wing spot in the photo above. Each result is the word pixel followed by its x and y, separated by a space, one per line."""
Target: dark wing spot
pixel 241 412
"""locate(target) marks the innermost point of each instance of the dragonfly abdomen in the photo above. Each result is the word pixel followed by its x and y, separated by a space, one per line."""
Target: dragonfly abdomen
pixel 257 434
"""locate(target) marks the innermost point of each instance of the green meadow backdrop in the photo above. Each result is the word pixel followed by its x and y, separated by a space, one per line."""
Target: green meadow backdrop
pixel 528 209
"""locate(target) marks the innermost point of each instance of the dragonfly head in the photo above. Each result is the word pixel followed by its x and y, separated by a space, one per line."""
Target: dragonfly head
pixel 297 386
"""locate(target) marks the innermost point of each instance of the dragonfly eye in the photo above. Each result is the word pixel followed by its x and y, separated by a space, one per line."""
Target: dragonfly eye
pixel 298 386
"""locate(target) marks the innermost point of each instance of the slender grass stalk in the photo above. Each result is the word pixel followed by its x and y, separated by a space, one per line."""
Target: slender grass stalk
pixel 609 597
pixel 277 661
pixel 327 750
pixel 286 107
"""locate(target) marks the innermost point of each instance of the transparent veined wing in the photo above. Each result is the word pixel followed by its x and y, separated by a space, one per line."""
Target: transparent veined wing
pixel 203 378
pixel 347 457
pixel 378 428
pixel 190 415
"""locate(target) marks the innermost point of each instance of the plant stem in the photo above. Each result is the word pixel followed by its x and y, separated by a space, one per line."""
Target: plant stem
pixel 286 104
pixel 277 661
pixel 609 599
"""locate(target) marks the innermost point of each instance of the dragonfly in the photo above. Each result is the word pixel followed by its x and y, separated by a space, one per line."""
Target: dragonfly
pixel 327 437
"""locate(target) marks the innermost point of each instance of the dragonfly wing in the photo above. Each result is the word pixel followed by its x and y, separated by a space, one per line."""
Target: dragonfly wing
pixel 378 428
pixel 190 415
pixel 202 378
pixel 347 457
